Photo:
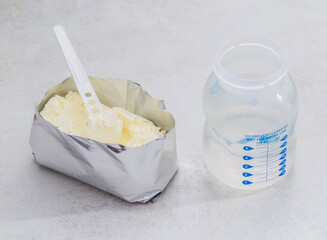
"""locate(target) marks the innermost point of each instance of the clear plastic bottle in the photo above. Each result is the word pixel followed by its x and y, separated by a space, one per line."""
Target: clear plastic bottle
pixel 251 105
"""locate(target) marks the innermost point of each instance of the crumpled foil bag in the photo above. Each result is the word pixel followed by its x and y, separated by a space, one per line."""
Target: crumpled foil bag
pixel 136 174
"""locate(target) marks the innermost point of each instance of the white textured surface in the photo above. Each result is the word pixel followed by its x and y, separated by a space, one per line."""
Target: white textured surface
pixel 168 47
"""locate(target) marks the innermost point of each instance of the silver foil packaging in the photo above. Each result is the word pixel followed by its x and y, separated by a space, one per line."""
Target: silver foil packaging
pixel 136 174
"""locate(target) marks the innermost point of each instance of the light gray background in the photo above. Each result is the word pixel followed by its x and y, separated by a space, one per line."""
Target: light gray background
pixel 168 47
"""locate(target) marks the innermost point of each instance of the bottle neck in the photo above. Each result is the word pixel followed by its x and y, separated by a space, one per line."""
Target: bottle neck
pixel 250 65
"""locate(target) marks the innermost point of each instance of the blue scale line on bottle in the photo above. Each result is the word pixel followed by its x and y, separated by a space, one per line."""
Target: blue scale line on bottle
pixel 279 175
pixel 279 172
pixel 272 175
pixel 272 152
pixel 272 167
pixel 280 168
pixel 279 157
pixel 263 174
pixel 272 159
pixel 270 164
pixel 276 150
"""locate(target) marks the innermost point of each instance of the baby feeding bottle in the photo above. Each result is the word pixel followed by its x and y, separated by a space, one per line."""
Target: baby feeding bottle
pixel 251 105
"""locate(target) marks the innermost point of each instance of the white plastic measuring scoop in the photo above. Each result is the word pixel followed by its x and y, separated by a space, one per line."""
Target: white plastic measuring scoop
pixel 102 125
pixel 84 87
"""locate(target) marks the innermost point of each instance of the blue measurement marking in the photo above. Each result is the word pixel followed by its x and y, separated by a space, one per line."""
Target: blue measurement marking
pixel 246 174
pixel 282 157
pixel 246 182
pixel 247 148
pixel 284 138
pixel 273 167
pixel 247 157
pixel 269 173
pixel 267 162
pixel 284 150
pixel 282 168
pixel 271 154
pixel 282 173
pixel 283 145
pixel 247 166
pixel 272 174
pixel 271 163
pixel 282 162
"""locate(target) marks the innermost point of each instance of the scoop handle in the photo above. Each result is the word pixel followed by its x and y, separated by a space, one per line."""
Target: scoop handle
pixel 84 87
